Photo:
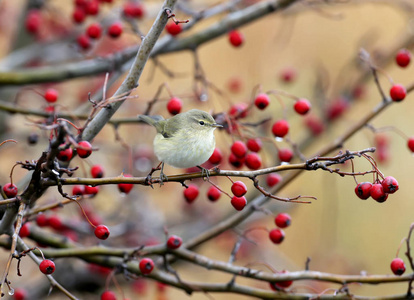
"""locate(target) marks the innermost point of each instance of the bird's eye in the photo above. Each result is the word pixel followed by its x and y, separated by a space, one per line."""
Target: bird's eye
pixel 201 122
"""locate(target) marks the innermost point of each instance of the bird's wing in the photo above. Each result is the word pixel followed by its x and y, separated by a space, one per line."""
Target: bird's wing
pixel 157 121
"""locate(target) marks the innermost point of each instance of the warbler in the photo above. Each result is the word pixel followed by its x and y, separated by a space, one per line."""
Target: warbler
pixel 186 140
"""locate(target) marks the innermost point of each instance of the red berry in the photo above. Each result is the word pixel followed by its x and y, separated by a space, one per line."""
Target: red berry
pixel 101 232
pixel 91 190
pixel 108 295
pixel 51 95
pixel 288 75
pixel 25 230
pixel 403 58
pixel 173 29
pixel 238 202
pixel 174 242
pixel 236 38
pixel 377 193
pixel 83 41
pixel 94 30
pixel 235 85
pixel 174 106
pixel 276 235
pixel 253 161
pixel 285 155
pixel 146 265
pixel 92 7
pixel 273 179
pixel 33 21
pixel 410 143
pixel 280 128
pixel 239 149
pixel 363 190
pixel 19 294
pixel 42 220
pixel 336 108
pixel 78 15
pixel 314 124
pixel 283 220
pixel 115 30
pixel 191 193
pixel 235 161
pixel 84 149
pixel 133 10
pixel 97 171
pixel 390 185
pixel 281 284
pixel 56 223
pixel 398 92
pixel 238 188
pixel 238 109
pixel 302 106
pixel 216 157
pixel 125 187
pixel 47 266
pixel 262 101
pixel 65 155
pixel 213 193
pixel 80 3
pixel 398 266
pixel 254 145
pixel 10 190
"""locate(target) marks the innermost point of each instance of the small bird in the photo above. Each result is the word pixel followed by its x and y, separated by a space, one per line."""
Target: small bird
pixel 186 140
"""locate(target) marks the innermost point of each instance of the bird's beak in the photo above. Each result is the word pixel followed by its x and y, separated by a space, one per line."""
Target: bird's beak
pixel 216 125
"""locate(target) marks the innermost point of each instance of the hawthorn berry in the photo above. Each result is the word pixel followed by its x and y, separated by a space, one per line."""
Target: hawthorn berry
pixel 236 38
pixel 133 9
pixel 238 188
pixel 65 155
pixel 238 109
pixel 173 29
pixel 174 242
pixel 403 58
pixel 92 7
pixel 254 144
pixel 47 266
pixel 273 179
pixel 174 105
pixel 51 95
pixel 25 230
pixel 216 157
pixel 55 222
pixel 238 202
pixel 288 75
pixel 97 171
pixel 20 294
pixel 314 124
pixel 84 149
pixel 283 220
pixel 285 155
pixel 10 189
pixel 42 220
pixel 239 149
pixel 94 31
pixel 108 295
pixel 125 187
pixel 101 232
pixel 377 193
pixel 78 15
pixel 91 190
pixel 280 128
pixel 281 284
pixel 33 21
pixel 302 106
pixel 410 143
pixel 115 29
pixel 213 193
pixel 235 161
pixel 253 161
pixel 146 265
pixel 336 108
pixel 398 92
pixel 191 193
pixel 363 190
pixel 389 185
pixel 276 235
pixel 397 266
pixel 262 101
pixel 84 41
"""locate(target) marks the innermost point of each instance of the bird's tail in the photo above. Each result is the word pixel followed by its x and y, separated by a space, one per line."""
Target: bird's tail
pixel 152 120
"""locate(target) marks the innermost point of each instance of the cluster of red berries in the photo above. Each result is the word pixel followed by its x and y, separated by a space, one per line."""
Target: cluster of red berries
pixel 238 189
pixel 84 150
pixel 378 191
pixel 398 91
pixel 277 235
pixel 246 154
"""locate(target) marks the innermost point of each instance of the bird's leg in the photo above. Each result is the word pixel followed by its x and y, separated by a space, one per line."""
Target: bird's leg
pixel 148 179
pixel 204 172
pixel 162 175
